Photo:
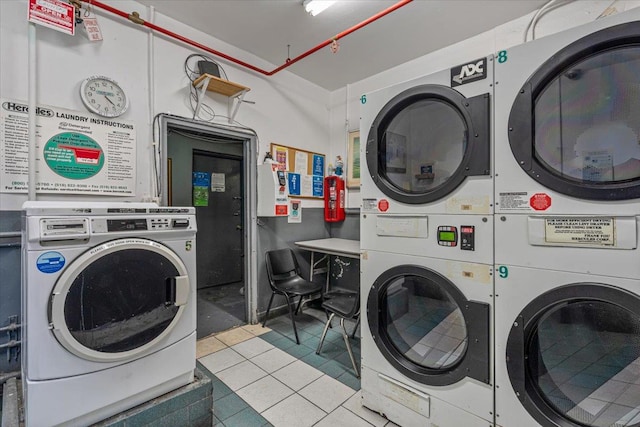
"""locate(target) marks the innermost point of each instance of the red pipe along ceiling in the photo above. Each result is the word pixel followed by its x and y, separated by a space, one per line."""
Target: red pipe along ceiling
pixel 134 17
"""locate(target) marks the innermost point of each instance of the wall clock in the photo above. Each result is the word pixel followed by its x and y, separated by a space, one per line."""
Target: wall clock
pixel 104 96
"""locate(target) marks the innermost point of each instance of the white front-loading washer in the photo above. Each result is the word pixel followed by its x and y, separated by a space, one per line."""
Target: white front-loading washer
pixel 109 307
pixel 428 144
pixel 567 121
pixel 567 321
pixel 427 346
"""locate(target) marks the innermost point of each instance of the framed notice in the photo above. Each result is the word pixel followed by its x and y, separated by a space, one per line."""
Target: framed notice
pixel 353 160
pixel 305 170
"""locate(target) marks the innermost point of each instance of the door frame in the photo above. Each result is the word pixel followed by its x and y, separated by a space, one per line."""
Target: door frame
pixel 248 139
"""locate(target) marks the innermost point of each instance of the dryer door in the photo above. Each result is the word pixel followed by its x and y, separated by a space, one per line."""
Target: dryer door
pixel 573 356
pixel 426 328
pixel 118 300
pixel 575 125
pixel 426 141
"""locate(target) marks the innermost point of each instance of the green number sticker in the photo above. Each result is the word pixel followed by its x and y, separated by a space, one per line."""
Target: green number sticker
pixel 503 270
pixel 502 56
pixel 363 99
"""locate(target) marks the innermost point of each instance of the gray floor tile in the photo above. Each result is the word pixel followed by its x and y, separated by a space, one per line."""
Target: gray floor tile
pixel 221 360
pixel 334 369
pixel 294 411
pixel 252 347
pixel 297 375
pixel 272 360
pixel 349 379
pixel 228 406
pixel 342 418
pixel 245 418
pixel 241 375
pixel 327 393
pixel 354 404
pixel 264 393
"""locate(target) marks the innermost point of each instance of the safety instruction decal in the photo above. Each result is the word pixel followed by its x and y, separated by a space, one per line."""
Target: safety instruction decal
pixel 50 262
pixel 580 231
pixel 524 201
pixel 369 205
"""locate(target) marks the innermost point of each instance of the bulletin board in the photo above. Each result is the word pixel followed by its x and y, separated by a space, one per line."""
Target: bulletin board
pixel 305 170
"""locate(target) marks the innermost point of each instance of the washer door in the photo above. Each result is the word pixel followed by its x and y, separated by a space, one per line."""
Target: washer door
pixel 573 356
pixel 118 300
pixel 426 141
pixel 575 125
pixel 425 327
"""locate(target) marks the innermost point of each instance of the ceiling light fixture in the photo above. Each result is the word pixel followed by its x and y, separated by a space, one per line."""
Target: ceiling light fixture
pixel 314 7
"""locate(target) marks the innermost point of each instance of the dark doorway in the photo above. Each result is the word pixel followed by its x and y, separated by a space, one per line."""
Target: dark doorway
pixel 220 213
pixel 220 256
pixel 220 251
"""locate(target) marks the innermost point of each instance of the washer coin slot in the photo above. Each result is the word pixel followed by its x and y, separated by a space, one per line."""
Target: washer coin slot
pixel 467 237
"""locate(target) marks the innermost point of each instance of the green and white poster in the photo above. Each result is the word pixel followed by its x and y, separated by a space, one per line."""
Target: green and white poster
pixel 76 152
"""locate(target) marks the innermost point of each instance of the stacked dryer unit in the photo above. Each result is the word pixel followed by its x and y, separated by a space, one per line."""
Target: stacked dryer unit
pixel 427 249
pixel 567 224
pixel 109 308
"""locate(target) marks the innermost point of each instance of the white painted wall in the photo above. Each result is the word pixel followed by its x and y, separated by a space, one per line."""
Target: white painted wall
pixel 345 103
pixel 287 110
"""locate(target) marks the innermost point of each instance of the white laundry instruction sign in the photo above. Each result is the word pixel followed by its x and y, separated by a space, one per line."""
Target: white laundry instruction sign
pixel 76 152
pixel 591 231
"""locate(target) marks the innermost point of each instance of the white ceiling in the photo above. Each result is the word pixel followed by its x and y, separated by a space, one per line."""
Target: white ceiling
pixel 266 27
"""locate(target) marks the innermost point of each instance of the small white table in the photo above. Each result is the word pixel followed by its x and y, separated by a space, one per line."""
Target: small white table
pixel 332 246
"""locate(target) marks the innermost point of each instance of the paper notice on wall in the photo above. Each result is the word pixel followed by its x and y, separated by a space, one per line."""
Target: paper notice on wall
pixel 218 183
pixel 76 152
pixel 302 160
pixel 306 184
pixel 281 157
pixel 295 211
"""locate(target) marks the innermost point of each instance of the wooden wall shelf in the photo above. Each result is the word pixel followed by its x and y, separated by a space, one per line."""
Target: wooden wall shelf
pixel 234 91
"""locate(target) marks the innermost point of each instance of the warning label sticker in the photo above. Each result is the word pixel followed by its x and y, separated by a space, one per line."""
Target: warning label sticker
pixel 514 201
pixel 580 231
pixel 369 205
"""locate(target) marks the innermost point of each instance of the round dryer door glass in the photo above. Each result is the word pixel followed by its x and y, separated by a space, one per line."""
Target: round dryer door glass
pixel 423 322
pixel 422 146
pixel 119 301
pixel 587 119
pixel 584 360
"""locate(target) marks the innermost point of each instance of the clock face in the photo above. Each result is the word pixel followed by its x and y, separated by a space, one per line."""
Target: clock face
pixel 103 96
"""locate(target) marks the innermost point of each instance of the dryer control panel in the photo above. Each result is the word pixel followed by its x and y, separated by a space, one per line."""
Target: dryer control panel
pixel 448 236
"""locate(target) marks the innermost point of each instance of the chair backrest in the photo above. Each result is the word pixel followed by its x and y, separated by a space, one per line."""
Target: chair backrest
pixel 356 306
pixel 281 264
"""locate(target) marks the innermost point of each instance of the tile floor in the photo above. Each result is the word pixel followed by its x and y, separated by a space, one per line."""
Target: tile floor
pixel 262 378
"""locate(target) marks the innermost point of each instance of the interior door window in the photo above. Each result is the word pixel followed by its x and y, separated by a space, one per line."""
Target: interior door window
pixel 423 322
pixel 587 119
pixel 119 301
pixel 422 146
pixel 584 360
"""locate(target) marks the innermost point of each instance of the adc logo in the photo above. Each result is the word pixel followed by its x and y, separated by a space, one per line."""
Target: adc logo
pixel 470 72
